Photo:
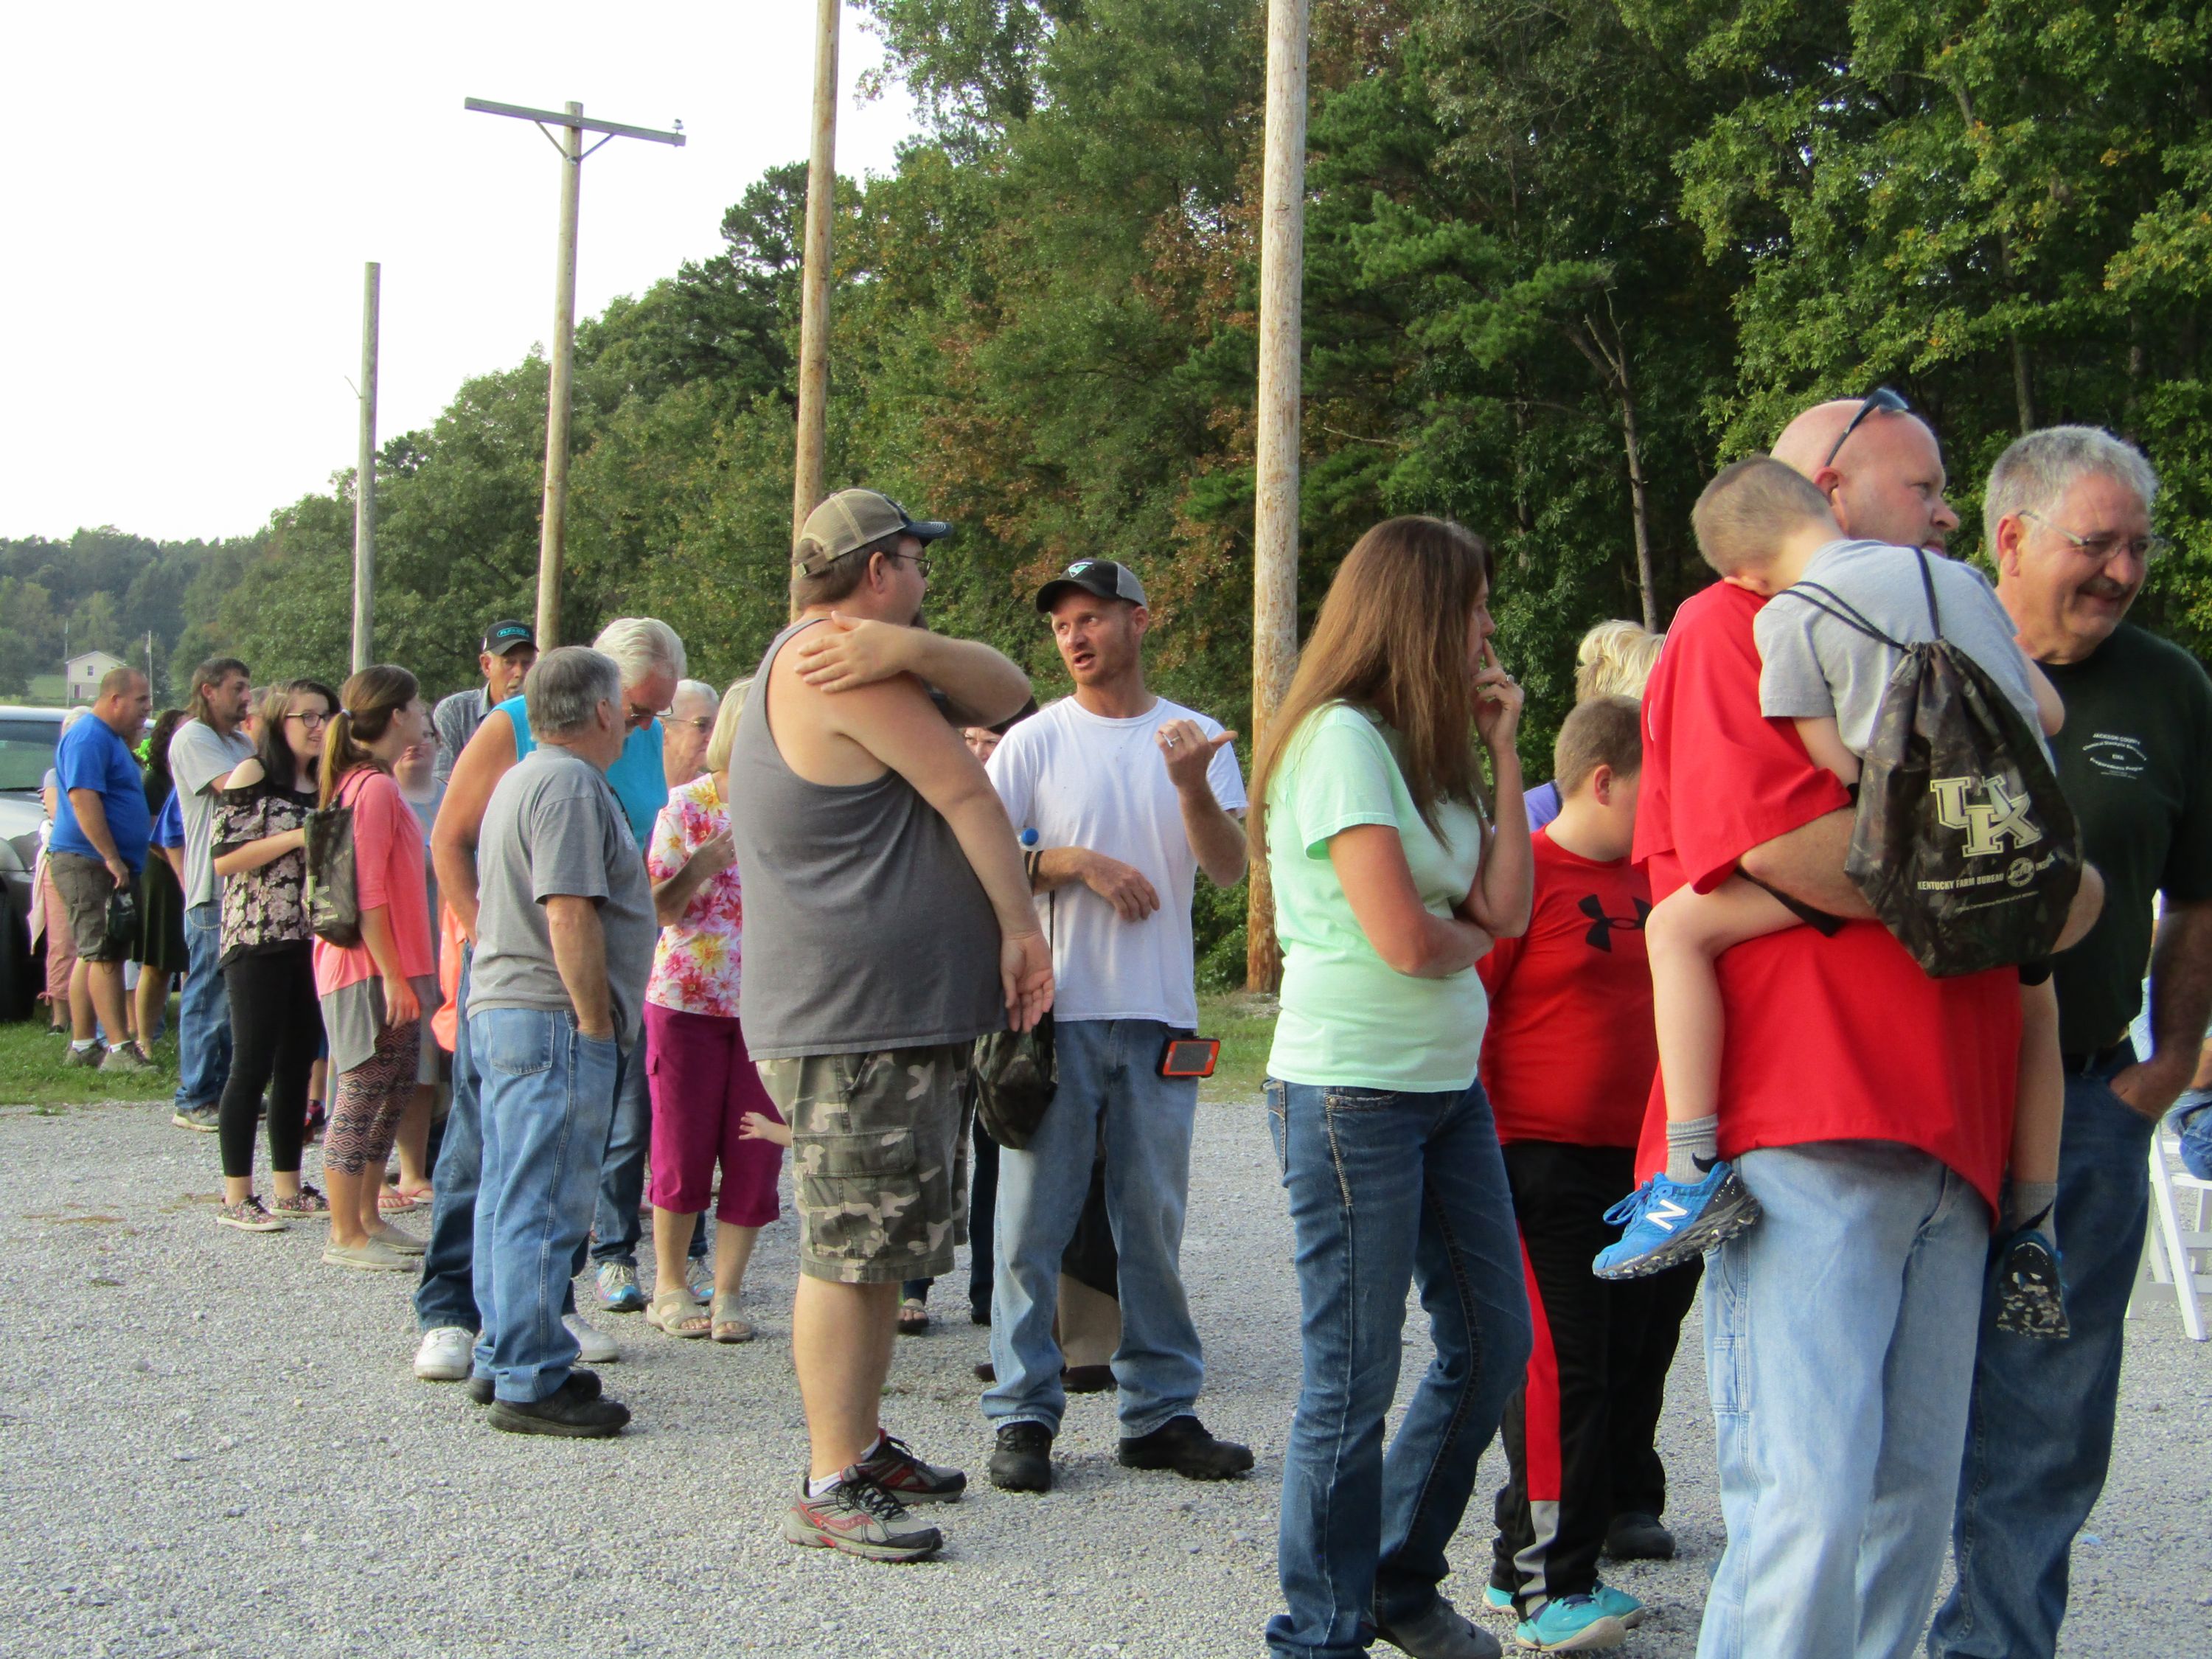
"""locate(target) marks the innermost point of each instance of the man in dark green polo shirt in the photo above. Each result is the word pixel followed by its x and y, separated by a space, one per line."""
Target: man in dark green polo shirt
pixel 2068 511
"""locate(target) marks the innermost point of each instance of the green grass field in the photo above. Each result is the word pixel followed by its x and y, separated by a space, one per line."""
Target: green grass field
pixel 32 1073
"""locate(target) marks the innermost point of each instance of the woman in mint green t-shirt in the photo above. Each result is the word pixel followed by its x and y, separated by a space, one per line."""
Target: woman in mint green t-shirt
pixel 1390 880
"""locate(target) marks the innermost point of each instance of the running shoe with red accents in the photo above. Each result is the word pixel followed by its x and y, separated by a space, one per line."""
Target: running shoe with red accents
pixel 860 1518
pixel 893 1466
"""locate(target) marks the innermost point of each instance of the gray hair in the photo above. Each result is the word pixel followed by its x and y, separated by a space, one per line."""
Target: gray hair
pixel 567 685
pixel 642 647
pixel 2035 473
pixel 699 690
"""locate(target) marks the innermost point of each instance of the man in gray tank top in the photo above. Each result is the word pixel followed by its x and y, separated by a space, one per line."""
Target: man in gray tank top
pixel 888 925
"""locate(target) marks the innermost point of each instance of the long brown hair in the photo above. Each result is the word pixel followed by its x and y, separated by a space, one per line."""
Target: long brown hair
pixel 273 750
pixel 1392 637
pixel 366 703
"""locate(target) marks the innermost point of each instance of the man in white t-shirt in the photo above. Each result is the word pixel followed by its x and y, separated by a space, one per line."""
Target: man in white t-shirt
pixel 1130 797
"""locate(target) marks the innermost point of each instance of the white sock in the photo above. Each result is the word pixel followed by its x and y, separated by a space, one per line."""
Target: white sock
pixel 821 1488
pixel 84 1045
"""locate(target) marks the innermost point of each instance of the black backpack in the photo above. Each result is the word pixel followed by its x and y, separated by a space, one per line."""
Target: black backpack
pixel 1963 844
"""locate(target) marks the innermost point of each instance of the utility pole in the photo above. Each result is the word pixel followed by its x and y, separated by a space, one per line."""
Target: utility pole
pixel 1275 516
pixel 364 483
pixel 553 525
pixel 806 483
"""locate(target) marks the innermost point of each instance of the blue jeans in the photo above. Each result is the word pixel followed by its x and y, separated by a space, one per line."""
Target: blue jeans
pixel 1110 1088
pixel 1840 1351
pixel 616 1227
pixel 548 1095
pixel 203 1012
pixel 1388 1190
pixel 2040 1437
pixel 446 1296
pixel 2191 1119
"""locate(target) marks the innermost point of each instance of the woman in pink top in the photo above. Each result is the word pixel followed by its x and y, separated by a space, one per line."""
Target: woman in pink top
pixel 702 1082
pixel 374 993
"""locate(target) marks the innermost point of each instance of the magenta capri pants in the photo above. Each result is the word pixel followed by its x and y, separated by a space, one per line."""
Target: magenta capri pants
pixel 703 1083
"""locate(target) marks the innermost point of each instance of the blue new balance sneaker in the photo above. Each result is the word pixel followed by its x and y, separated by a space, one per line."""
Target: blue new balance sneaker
pixel 1669 1222
pixel 2031 1299
pixel 1570 1624
pixel 1619 1603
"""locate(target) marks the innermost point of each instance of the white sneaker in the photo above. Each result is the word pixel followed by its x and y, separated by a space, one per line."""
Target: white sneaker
pixel 598 1348
pixel 446 1354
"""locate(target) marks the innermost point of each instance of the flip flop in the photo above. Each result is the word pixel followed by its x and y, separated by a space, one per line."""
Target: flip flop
pixel 392 1201
pixel 912 1317
pixel 728 1326
pixel 677 1312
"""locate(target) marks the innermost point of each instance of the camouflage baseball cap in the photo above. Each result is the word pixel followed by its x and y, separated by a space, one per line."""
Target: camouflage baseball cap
pixel 850 520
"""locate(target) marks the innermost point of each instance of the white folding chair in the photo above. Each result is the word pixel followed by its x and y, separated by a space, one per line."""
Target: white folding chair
pixel 2175 1255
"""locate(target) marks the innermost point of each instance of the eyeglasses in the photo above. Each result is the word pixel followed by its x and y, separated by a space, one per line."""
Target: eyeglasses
pixel 920 562
pixel 638 719
pixel 2149 549
pixel 698 722
pixel 1881 397
pixel 317 717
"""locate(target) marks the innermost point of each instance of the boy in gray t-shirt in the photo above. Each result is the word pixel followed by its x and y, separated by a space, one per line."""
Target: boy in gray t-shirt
pixel 1766 528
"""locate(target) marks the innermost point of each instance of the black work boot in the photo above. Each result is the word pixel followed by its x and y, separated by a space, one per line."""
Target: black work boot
pixel 574 1410
pixel 1022 1460
pixel 1182 1444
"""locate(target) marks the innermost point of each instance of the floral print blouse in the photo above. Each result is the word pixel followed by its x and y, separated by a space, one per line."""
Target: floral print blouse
pixel 263 909
pixel 694 966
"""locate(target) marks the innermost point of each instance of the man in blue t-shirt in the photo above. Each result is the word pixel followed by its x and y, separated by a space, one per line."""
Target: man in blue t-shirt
pixel 100 830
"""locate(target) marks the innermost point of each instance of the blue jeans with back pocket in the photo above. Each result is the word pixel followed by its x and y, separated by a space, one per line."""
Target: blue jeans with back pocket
pixel 548 1094
pixel 1388 1190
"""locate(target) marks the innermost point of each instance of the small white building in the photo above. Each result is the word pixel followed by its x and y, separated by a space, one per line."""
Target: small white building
pixel 85 672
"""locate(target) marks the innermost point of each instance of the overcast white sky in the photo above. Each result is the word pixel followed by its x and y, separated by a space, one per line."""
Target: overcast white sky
pixel 191 192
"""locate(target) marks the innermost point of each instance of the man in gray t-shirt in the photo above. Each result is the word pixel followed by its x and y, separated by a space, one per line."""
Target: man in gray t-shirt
pixel 202 753
pixel 565 931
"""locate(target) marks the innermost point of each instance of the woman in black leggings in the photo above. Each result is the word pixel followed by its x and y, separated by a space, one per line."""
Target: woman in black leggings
pixel 268 967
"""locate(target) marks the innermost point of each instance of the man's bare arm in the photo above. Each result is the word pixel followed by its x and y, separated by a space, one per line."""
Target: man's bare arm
pixel 579 955
pixel 847 652
pixel 2180 1005
pixel 1808 863
pixel 483 763
pixel 1121 885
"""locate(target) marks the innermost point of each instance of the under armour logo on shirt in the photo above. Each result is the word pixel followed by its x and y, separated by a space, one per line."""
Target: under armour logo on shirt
pixel 1602 927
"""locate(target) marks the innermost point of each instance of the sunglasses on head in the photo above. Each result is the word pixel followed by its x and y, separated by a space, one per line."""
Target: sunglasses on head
pixel 1881 397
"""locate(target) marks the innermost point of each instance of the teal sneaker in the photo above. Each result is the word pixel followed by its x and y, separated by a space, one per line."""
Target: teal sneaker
pixel 1497 1600
pixel 1619 1603
pixel 1571 1623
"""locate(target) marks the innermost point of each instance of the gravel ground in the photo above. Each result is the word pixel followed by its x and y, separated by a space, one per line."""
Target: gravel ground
pixel 210 1444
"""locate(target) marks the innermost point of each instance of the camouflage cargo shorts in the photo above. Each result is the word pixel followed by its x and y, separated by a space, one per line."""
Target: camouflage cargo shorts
pixel 879 1159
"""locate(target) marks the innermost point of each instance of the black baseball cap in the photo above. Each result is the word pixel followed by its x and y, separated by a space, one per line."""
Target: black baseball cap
pixel 503 637
pixel 1107 580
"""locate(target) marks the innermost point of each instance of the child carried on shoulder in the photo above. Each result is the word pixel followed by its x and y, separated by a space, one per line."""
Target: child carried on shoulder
pixel 1904 668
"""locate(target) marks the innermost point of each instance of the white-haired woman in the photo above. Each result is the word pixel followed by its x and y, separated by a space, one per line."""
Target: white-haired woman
pixel 1615 660
pixel 703 1083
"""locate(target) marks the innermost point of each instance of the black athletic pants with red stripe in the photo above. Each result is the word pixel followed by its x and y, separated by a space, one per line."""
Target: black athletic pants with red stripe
pixel 1578 1436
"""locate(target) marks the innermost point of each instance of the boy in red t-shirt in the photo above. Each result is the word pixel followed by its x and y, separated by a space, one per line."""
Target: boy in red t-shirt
pixel 1567 1062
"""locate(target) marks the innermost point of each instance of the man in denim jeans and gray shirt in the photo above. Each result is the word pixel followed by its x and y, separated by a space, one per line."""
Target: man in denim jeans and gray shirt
pixel 1130 795
pixel 565 931
pixel 203 753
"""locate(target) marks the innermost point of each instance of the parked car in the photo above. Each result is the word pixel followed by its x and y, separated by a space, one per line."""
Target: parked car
pixel 27 736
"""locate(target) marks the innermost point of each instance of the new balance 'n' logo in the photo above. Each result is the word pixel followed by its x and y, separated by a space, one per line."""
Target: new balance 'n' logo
pixel 1665 1213
pixel 1989 822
